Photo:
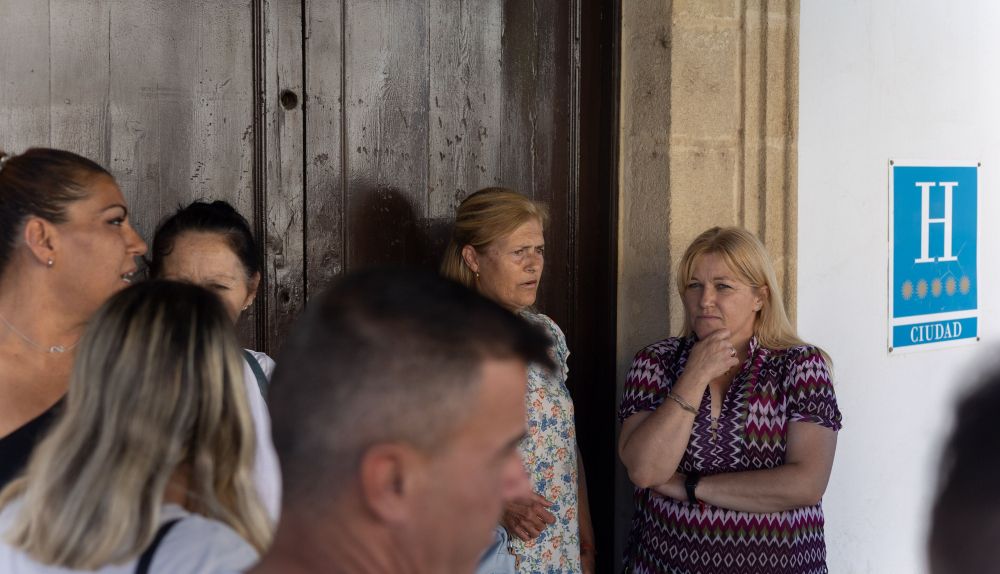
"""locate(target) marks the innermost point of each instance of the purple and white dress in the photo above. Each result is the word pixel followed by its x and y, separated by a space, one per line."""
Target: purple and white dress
pixel 772 389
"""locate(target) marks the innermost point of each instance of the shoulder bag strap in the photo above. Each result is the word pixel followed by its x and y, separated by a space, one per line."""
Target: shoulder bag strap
pixel 258 372
pixel 142 567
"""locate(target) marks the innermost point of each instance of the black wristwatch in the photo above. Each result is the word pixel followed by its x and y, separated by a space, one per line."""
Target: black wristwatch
pixel 691 483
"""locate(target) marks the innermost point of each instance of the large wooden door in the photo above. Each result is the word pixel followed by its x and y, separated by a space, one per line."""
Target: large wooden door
pixel 347 131
pixel 413 105
pixel 159 92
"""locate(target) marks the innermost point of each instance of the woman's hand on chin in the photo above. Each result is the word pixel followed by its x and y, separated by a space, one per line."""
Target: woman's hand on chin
pixel 711 357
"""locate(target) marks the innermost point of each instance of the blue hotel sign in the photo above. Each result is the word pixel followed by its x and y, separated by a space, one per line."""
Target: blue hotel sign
pixel 933 255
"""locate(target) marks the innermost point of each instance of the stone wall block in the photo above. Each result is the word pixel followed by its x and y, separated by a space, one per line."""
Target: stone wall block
pixel 783 10
pixel 702 193
pixel 647 208
pixel 648 81
pixel 777 80
pixel 775 200
pixel 705 95
pixel 644 252
pixel 752 117
pixel 701 10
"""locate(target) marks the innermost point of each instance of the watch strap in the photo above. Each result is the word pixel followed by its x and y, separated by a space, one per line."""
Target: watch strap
pixel 690 484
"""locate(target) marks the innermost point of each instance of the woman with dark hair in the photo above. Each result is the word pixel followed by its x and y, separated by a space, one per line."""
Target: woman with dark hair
pixel 148 469
pixel 210 244
pixel 66 246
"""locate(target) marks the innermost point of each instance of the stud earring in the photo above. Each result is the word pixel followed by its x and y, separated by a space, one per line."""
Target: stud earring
pixel 50 262
pixel 477 275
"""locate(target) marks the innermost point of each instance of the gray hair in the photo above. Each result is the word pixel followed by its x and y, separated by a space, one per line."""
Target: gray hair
pixel 384 356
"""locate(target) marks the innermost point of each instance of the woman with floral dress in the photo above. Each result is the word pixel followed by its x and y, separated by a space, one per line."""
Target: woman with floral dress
pixel 498 249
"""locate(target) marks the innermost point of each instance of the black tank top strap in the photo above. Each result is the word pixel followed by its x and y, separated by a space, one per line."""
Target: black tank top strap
pixel 16 447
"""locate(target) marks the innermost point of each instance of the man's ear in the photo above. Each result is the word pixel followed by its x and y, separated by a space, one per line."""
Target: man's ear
pixel 392 479
pixel 471 258
pixel 42 238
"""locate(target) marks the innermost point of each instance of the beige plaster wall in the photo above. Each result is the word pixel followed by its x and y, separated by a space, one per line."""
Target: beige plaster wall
pixel 709 97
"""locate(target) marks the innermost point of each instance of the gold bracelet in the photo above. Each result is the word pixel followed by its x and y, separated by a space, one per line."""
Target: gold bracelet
pixel 684 404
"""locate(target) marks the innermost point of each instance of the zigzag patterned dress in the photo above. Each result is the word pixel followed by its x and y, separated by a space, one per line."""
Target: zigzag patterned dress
pixel 773 388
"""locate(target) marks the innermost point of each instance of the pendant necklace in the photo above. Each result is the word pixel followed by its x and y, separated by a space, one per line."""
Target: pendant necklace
pixel 34 345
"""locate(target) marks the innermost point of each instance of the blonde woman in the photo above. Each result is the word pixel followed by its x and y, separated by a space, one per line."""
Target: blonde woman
pixel 149 467
pixel 498 249
pixel 729 430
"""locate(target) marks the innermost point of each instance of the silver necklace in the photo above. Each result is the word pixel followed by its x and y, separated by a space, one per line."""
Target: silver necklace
pixel 52 349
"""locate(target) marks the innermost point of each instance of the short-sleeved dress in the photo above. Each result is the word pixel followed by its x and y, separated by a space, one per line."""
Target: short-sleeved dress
pixel 549 454
pixel 772 389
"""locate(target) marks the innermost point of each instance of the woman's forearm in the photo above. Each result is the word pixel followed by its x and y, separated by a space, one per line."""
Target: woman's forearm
pixel 757 491
pixel 778 489
pixel 655 447
pixel 800 482
pixel 652 444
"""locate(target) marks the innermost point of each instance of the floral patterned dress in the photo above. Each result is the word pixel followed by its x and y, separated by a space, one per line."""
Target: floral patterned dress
pixel 549 454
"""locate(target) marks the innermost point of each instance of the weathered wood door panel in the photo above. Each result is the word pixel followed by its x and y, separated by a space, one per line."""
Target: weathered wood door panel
pixel 407 107
pixel 279 170
pixel 159 92
pixel 438 99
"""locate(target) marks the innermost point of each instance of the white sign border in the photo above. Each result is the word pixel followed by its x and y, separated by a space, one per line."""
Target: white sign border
pixel 891 243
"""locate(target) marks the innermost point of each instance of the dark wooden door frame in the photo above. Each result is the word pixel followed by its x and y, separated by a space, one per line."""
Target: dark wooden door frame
pixel 594 336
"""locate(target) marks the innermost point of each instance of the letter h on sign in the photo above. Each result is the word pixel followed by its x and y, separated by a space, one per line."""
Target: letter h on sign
pixel 926 220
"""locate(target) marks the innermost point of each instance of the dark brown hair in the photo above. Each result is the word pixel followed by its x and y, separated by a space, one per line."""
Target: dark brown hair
pixel 217 217
pixel 39 182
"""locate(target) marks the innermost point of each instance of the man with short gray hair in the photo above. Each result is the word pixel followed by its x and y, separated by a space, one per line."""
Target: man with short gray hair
pixel 397 407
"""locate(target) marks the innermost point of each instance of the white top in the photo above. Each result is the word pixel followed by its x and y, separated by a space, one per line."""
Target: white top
pixel 266 472
pixel 195 545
